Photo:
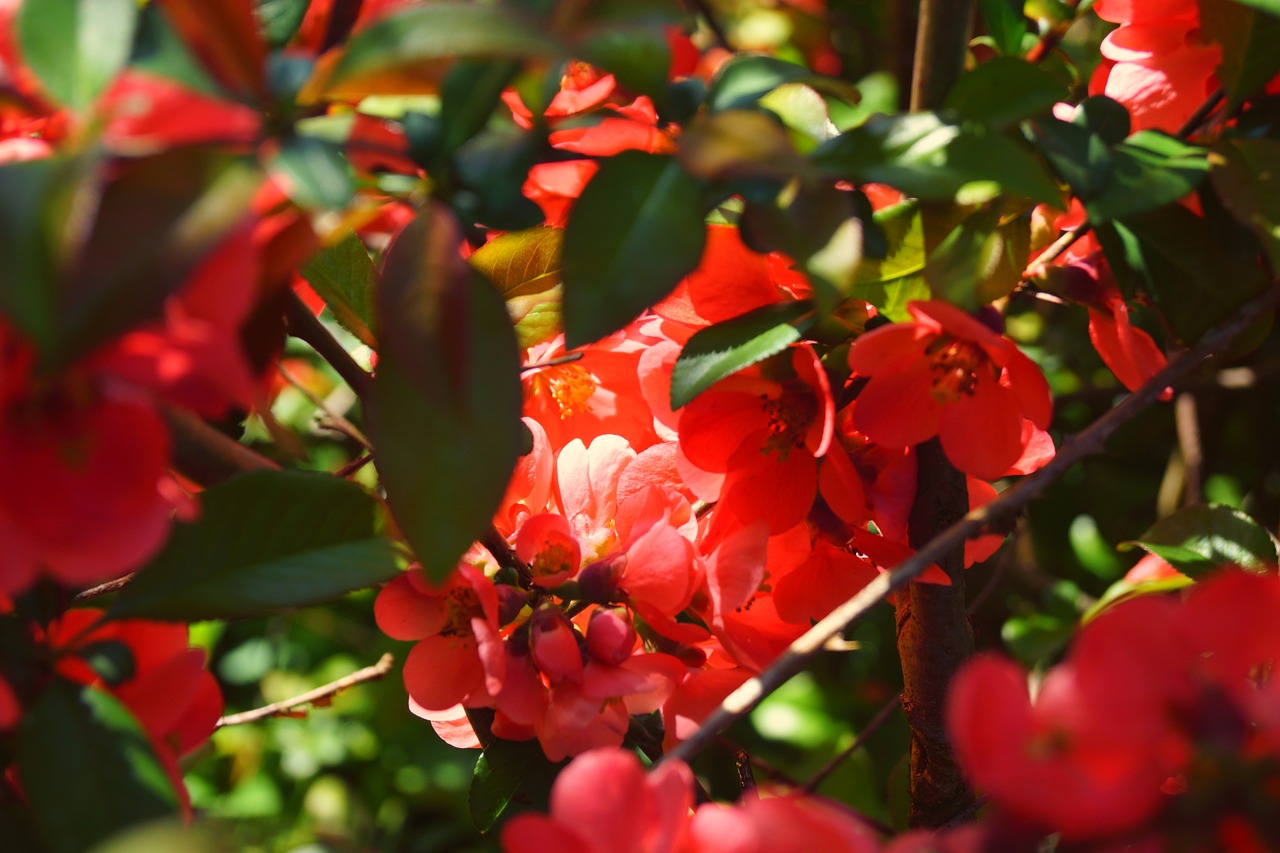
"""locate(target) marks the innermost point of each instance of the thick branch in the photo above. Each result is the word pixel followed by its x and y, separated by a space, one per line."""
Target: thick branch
pixel 319 696
pixel 996 513
pixel 942 40
pixel 304 326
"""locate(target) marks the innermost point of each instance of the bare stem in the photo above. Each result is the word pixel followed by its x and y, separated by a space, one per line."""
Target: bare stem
pixel 994 514
pixel 304 326
pixel 319 696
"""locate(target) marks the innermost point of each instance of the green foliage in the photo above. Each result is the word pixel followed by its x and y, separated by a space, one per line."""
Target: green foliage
pixel 509 771
pixel 1197 539
pixel 891 283
pixel 265 540
pixel 930 157
pixel 344 276
pixel 725 348
pixel 85 735
pixel 525 267
pixel 315 171
pixel 612 272
pixel 76 47
pixel 280 19
pixel 1246 174
pixel 1005 91
pixel 446 403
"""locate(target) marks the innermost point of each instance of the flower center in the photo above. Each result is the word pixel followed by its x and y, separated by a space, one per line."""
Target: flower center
pixel 569 385
pixel 462 605
pixel 955 364
pixel 789 418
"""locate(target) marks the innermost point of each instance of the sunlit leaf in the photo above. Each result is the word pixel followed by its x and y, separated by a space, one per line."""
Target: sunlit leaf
pixel 1197 539
pixel 76 47
pixel 725 348
pixel 525 267
pixel 344 276
pixel 891 283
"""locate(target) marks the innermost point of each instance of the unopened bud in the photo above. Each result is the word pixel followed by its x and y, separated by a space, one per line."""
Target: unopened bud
pixel 554 643
pixel 610 635
pixel 598 582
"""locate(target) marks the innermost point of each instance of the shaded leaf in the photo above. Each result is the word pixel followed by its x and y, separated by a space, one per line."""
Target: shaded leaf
pixel 410 50
pixel 1197 539
pixel 740 145
pixel 1006 24
pixel 76 47
pixel 634 233
pixel 280 19
pixel 1249 57
pixel 508 770
pixel 637 55
pixel 1148 170
pixel 344 276
pixel 727 347
pixel 746 78
pixel 87 768
pixel 1004 91
pixel 925 156
pixel 525 267
pixel 446 396
pixel 266 540
pixel 979 260
pixel 1246 174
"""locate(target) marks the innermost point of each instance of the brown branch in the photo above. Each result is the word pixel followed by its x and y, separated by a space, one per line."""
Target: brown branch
pixel 321 695
pixel 994 514
pixel 304 326
pixel 1187 423
pixel 206 455
pixel 942 40
pixel 104 588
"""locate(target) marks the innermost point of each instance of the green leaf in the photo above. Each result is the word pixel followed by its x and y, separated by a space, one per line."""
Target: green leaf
pixel 316 172
pixel 280 19
pixel 27 286
pixel 1197 539
pixel 925 156
pixel 1123 590
pixel 76 47
pixel 507 770
pixel 1246 174
pixel 979 260
pixel 637 55
pixel 747 77
pixel 446 397
pixel 409 51
pixel 1197 269
pixel 1271 7
pixel 1148 170
pixel 525 267
pixel 159 50
pixel 87 768
pixel 265 541
pixel 1249 58
pixel 344 276
pixel 1006 24
pixel 725 348
pixel 735 145
pixel 111 660
pixel 634 233
pixel 1004 91
pixel 891 283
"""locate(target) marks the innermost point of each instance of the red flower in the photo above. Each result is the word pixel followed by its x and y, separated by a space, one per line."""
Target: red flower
pixel 948 375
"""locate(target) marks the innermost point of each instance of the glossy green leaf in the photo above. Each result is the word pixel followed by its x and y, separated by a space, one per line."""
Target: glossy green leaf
pixel 410 50
pixel 316 173
pixel 1006 24
pixel 746 78
pixel 727 347
pixel 28 289
pixel 87 768
pixel 280 19
pixel 1197 539
pixel 1003 91
pixel 159 50
pixel 634 233
pixel 1123 590
pixel 925 156
pixel 265 541
pixel 1251 59
pixel 1271 7
pixel 891 283
pixel 344 276
pixel 1148 170
pixel 446 397
pixel 804 111
pixel 508 770
pixel 76 47
pixel 637 55
pixel 525 267
pixel 1246 174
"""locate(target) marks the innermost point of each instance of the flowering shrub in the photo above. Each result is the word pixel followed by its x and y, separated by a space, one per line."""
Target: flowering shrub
pixel 636 355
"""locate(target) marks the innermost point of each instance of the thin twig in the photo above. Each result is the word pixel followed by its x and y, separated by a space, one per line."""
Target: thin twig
pixel 700 7
pixel 873 725
pixel 336 421
pixel 567 358
pixel 104 588
pixel 304 326
pixel 354 465
pixel 1197 118
pixel 994 514
pixel 1187 423
pixel 312 697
